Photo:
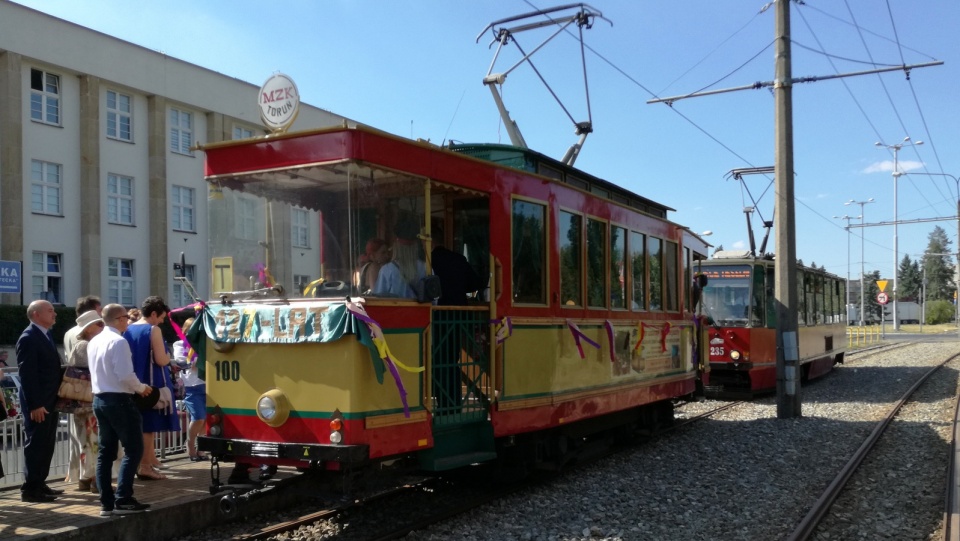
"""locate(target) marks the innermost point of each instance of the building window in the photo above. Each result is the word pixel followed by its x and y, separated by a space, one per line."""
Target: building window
pixel 246 218
pixel 181 297
pixel 529 252
pixel 638 268
pixel 44 97
pixel 45 187
pixel 183 208
pixel 299 228
pixel 120 281
pixel 571 259
pixel 596 263
pixel 119 199
pixel 181 131
pixel 239 132
pixel 618 267
pixel 300 281
pixel 118 116
pixel 47 277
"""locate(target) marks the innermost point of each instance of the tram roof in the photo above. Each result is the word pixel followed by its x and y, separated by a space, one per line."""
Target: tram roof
pixel 291 160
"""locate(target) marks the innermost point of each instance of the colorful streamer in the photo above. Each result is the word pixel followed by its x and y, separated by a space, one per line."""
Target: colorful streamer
pixel 197 307
pixel 504 329
pixel 609 327
pixel 664 331
pixel 578 335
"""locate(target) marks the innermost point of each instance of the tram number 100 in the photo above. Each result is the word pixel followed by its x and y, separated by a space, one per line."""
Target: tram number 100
pixel 227 370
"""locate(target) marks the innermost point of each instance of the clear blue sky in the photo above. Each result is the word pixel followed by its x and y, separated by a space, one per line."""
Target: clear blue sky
pixel 413 68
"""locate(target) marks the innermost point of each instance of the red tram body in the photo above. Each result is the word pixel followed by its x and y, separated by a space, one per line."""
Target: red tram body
pixel 586 322
pixel 738 300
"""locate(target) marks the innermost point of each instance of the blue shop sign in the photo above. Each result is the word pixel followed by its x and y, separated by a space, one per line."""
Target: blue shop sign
pixel 10 272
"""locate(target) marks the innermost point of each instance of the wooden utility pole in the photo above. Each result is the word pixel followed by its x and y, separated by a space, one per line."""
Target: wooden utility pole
pixel 785 265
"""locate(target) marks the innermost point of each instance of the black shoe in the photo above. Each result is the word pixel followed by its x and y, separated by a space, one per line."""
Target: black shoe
pixel 36 497
pixel 128 506
pixel 51 491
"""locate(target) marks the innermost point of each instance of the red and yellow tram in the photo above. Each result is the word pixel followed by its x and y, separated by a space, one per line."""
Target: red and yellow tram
pixel 585 323
pixel 738 301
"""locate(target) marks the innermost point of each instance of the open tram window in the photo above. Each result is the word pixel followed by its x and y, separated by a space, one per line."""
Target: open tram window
pixel 529 252
pixel 618 267
pixel 596 263
pixel 571 258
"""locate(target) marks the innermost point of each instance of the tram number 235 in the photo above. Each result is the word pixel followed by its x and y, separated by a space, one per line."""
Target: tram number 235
pixel 716 351
pixel 227 370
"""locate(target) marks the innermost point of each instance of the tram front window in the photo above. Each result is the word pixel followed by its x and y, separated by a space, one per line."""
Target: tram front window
pixel 307 228
pixel 726 298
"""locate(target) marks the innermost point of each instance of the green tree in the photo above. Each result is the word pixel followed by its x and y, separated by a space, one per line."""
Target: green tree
pixel 939 312
pixel 939 266
pixel 909 278
pixel 873 309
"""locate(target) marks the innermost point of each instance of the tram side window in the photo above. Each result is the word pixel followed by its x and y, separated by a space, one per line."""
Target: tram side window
pixel 671 272
pixel 618 266
pixel 571 259
pixel 655 249
pixel 801 298
pixel 596 252
pixel 638 270
pixel 529 252
pixel 757 316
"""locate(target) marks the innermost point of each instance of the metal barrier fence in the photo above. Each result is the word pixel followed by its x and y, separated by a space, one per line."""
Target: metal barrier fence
pixel 862 336
pixel 166 443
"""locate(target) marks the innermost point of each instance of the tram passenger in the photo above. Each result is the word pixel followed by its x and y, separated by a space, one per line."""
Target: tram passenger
pixel 399 277
pixel 151 363
pixel 377 255
pixel 195 396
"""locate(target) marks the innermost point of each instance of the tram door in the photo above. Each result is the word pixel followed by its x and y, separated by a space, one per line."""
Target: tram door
pixel 460 383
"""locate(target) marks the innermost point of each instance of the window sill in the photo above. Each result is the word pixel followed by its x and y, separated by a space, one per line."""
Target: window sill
pixel 50 214
pixel 175 230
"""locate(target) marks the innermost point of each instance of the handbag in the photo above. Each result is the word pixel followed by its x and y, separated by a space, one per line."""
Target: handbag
pixel 76 384
pixel 165 403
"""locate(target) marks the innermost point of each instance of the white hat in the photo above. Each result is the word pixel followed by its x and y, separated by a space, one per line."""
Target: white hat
pixel 88 318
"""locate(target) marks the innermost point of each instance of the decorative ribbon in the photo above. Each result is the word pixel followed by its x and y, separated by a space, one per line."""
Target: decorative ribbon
pixel 312 287
pixel 578 335
pixel 609 327
pixel 264 276
pixel 504 329
pixel 664 331
pixel 383 350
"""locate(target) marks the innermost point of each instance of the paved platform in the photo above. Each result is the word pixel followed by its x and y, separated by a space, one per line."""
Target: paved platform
pixel 180 504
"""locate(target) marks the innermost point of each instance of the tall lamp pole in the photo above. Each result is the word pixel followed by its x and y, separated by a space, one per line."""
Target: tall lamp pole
pixel 846 307
pixel 862 234
pixel 896 255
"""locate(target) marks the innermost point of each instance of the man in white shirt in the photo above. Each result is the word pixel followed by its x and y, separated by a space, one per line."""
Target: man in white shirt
pixel 114 381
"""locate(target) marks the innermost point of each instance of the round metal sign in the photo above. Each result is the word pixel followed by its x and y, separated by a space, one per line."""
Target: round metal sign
pixel 279 102
pixel 882 298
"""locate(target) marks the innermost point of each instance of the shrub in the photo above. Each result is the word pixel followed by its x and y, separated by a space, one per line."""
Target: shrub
pixel 13 319
pixel 940 312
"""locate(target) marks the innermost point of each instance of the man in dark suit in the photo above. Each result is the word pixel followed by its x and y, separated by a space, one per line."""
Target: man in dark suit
pixel 40 378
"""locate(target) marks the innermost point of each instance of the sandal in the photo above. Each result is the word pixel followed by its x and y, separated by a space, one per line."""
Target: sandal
pixel 150 475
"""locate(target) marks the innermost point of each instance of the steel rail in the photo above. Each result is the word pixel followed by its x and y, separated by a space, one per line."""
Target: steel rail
pixel 809 523
pixel 951 507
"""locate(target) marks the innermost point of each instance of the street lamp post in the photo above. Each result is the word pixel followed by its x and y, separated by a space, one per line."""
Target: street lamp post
pixel 863 232
pixel 846 306
pixel 896 256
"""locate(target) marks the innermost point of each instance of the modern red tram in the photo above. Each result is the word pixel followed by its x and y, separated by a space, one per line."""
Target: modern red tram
pixel 585 323
pixel 738 302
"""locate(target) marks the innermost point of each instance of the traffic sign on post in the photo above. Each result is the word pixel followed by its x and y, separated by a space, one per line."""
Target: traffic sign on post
pixel 882 298
pixel 882 284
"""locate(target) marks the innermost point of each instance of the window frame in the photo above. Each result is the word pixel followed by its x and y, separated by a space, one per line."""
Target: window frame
pixel 176 144
pixel 242 130
pixel 580 258
pixel 45 187
pixel 545 239
pixel 300 231
pixel 45 275
pixel 178 208
pixel 116 282
pixel 624 274
pixel 644 281
pixel 45 98
pixel 114 199
pixel 604 260
pixel 118 115
pixel 181 297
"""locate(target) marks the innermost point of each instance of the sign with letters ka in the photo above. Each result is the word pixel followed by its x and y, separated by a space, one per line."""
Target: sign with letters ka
pixel 10 272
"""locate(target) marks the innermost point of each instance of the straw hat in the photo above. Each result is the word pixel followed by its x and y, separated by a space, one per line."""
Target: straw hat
pixel 88 318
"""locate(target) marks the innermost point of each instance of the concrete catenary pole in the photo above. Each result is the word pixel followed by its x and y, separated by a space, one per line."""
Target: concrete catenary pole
pixel 785 269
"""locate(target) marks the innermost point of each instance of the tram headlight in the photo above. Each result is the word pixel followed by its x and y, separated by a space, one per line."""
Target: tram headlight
pixel 273 408
pixel 735 355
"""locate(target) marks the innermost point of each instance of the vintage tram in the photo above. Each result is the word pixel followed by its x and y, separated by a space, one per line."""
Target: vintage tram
pixel 738 302
pixel 585 323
